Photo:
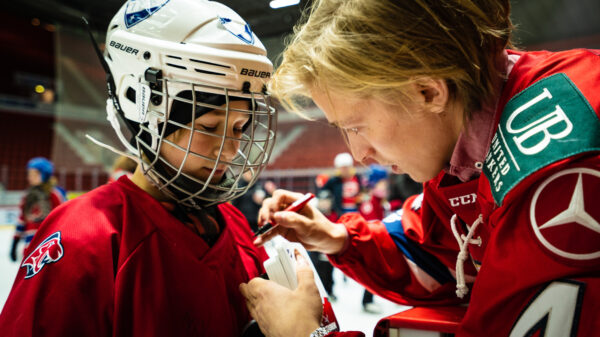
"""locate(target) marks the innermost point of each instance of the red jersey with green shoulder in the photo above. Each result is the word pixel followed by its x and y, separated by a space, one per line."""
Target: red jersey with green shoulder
pixel 534 262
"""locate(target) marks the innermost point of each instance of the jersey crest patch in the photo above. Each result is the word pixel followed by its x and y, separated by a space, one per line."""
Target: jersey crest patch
pixel 565 217
pixel 549 121
pixel 139 10
pixel 50 250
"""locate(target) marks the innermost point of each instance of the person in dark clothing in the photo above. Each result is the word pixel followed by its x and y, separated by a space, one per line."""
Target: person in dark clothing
pixel 249 203
pixel 401 186
pixel 322 265
pixel 345 186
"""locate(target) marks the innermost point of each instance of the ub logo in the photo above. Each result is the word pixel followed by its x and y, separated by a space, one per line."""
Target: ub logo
pixel 539 128
pixel 50 250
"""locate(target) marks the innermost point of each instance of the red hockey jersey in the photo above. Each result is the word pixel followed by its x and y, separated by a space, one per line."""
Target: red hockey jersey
pixel 35 207
pixel 114 262
pixel 534 253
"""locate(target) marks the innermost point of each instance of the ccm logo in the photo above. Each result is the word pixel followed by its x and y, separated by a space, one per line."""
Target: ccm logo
pixel 124 48
pixel 463 200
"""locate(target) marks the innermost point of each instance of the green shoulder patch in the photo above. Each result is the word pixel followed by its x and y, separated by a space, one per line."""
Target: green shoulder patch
pixel 548 121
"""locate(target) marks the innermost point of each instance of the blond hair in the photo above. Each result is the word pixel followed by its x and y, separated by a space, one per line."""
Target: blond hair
pixel 374 48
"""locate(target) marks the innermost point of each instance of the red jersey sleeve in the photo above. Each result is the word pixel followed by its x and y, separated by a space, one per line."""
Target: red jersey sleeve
pixel 346 334
pixel 54 285
pixel 401 258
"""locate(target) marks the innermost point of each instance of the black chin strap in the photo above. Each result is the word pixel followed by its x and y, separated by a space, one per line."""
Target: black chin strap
pixel 190 186
pixel 110 82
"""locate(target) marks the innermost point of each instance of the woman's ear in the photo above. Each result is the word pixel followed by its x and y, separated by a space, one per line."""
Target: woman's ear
pixel 432 93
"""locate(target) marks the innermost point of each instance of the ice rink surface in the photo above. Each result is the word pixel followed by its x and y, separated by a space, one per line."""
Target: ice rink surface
pixel 347 307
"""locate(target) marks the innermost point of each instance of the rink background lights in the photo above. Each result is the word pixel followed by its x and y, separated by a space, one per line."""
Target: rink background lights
pixel 283 3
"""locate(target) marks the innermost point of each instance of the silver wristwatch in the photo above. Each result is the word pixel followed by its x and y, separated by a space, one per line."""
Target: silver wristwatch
pixel 323 330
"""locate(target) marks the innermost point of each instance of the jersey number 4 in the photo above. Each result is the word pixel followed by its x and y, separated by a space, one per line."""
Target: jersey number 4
pixel 553 311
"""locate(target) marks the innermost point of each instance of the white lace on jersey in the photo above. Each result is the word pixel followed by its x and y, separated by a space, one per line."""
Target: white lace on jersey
pixel 463 243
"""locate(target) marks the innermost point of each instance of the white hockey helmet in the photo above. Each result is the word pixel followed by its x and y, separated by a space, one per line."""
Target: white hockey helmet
pixel 170 61
pixel 343 159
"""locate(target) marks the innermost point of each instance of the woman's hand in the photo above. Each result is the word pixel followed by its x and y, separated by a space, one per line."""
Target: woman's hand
pixel 309 226
pixel 281 312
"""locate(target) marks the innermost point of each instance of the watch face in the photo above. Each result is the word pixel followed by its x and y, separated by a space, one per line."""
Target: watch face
pixel 317 333
pixel 321 332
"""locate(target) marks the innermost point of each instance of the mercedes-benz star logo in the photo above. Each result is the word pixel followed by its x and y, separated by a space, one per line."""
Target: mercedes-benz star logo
pixel 574 215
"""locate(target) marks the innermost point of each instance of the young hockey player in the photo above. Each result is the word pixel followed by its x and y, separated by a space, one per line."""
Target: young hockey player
pixel 345 185
pixel 162 253
pixel 41 197
pixel 507 143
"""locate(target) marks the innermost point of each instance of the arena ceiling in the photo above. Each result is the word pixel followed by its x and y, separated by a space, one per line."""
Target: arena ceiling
pixel 538 21
pixel 265 21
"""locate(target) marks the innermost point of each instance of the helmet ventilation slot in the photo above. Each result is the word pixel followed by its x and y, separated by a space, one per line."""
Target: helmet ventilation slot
pixel 210 63
pixel 208 72
pixel 176 66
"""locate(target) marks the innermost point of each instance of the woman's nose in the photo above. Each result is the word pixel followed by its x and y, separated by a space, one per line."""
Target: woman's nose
pixel 361 151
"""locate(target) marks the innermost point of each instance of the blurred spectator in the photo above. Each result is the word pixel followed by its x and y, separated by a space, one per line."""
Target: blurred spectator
pixel 345 185
pixel 123 165
pixel 269 186
pixel 325 205
pixel 40 198
pixel 321 180
pixel 60 189
pixel 249 203
pixel 322 265
pixel 375 208
pixel 401 186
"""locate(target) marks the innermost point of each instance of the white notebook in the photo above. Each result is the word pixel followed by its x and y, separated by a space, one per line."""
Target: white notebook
pixel 281 266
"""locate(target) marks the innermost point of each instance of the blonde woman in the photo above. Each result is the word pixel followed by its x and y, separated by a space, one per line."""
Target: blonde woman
pixel 506 143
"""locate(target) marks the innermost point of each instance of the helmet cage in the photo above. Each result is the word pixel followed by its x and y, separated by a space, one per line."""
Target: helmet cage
pixel 255 145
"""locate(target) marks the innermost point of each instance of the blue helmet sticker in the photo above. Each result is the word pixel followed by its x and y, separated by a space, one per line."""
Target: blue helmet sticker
pixel 139 10
pixel 242 32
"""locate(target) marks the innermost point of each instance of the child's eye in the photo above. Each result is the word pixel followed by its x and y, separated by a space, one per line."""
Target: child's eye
pixel 208 127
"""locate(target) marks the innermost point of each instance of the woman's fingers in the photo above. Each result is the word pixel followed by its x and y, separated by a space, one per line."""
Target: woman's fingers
pixel 279 201
pixel 262 239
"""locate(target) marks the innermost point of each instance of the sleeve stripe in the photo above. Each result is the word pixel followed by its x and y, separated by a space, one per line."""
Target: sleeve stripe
pixel 411 250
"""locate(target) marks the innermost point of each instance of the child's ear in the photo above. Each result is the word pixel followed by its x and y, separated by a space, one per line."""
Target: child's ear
pixel 433 93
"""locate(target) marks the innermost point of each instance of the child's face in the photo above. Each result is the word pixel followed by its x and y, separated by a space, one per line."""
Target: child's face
pixel 34 177
pixel 207 145
pixel 324 205
pixel 407 138
pixel 380 189
pixel 346 171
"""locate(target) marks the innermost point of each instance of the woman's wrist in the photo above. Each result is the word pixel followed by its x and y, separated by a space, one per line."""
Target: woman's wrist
pixel 338 235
